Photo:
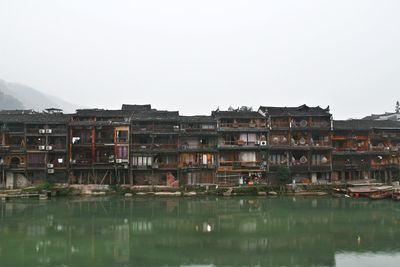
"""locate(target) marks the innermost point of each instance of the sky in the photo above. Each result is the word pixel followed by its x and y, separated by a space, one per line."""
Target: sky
pixel 195 56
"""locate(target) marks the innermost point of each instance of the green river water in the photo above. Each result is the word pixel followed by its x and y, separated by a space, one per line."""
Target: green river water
pixel 207 231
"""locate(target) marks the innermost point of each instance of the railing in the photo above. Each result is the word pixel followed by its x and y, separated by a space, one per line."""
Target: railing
pixel 104 160
pixel 349 149
pixel 198 129
pixel 59 131
pixel 154 146
pixel 168 165
pixel 320 124
pixel 328 163
pixel 166 129
pixel 280 124
pixel 385 148
pixel 104 140
pixel 384 136
pixel 241 143
pixel 321 143
pixel 84 161
pixel 195 165
pixel 122 140
pixel 194 147
pixel 53 131
pixel 56 164
pixel 242 125
pixel 82 143
pixel 36 165
pixel 308 124
pixel 35 146
pixel 58 146
pixel 16 129
pixel 279 140
pixel 300 143
pixel 240 164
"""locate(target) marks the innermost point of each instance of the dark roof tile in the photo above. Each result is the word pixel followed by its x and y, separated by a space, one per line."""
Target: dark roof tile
pixel 302 110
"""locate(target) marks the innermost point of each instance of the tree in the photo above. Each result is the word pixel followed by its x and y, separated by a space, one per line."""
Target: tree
pixel 283 174
pixel 245 108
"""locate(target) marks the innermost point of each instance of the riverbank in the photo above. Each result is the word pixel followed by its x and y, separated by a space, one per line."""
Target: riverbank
pixel 45 191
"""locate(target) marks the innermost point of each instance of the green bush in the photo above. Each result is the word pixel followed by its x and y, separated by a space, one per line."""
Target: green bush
pixel 48 185
pixel 283 174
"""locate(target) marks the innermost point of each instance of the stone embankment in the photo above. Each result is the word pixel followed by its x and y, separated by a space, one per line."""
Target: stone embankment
pixel 41 192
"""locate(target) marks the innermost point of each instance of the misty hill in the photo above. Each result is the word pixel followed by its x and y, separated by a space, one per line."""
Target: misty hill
pixel 19 96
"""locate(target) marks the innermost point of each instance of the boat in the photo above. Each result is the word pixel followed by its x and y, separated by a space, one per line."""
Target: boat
pixel 361 191
pixel 382 192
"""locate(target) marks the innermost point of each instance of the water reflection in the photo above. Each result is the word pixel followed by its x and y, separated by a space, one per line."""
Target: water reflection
pixel 198 232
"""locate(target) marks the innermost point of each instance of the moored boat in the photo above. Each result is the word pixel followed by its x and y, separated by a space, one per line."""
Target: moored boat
pixel 361 191
pixel 382 192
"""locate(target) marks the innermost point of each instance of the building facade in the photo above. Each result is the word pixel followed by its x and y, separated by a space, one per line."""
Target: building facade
pixel 140 145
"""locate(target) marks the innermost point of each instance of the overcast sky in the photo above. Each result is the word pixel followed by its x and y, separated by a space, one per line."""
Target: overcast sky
pixel 194 56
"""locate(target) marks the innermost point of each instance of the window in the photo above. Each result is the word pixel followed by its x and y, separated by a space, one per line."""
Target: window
pixel 122 152
pixel 142 160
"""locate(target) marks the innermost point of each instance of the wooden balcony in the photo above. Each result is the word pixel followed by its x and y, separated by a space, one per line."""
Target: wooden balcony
pixel 38 165
pixel 249 127
pixel 195 148
pixel 280 124
pixel 189 165
pixel 137 129
pixel 154 147
pixel 239 165
pixel 242 143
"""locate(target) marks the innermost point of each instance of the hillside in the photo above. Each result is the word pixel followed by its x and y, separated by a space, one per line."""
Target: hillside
pixel 19 96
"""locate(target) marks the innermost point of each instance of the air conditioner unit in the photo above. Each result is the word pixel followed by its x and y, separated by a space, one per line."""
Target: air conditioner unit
pixel 50 166
pixel 125 160
pixel 176 127
pixel 118 160
pixel 73 161
pixel 257 143
pixel 50 171
pixel 49 147
pixel 42 147
pixel 42 131
pixel 49 131
pixel 263 143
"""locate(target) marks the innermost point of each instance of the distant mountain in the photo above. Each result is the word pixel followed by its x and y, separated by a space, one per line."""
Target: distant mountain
pixel 19 96
pixel 9 102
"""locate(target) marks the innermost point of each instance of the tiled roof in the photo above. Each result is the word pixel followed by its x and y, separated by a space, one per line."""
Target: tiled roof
pixel 40 118
pixel 102 113
pixel 136 108
pixel 302 110
pixel 237 114
pixel 365 124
